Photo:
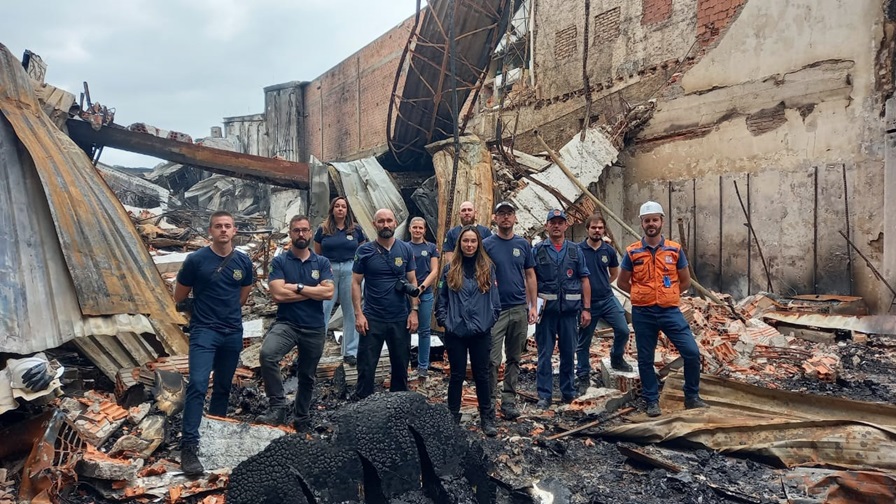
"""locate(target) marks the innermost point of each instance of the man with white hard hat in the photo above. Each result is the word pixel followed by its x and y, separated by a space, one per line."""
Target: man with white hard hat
pixel 654 271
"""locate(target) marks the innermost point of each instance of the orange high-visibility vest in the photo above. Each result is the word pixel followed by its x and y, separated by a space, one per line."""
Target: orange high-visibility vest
pixel 649 267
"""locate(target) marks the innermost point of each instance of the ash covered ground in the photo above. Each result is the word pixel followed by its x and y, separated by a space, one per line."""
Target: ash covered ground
pixel 583 467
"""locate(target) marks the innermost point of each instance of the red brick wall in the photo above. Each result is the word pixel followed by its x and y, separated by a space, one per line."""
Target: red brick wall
pixel 713 16
pixel 654 11
pixel 356 92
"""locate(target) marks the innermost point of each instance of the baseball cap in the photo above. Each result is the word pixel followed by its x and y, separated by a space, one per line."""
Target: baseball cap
pixel 555 213
pixel 505 204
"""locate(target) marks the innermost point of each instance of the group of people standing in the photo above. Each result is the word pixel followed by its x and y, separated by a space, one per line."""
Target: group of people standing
pixel 490 289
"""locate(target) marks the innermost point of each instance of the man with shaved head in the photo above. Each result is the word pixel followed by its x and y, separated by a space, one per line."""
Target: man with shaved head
pixel 386 268
pixel 467 215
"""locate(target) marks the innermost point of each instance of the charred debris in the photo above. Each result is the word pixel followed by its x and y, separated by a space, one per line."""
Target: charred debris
pixel 800 387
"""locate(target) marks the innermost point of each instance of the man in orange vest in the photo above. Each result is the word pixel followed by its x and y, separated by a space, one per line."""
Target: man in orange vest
pixel 654 271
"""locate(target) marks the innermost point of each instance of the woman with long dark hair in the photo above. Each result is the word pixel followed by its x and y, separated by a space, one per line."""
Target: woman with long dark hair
pixel 468 308
pixel 337 239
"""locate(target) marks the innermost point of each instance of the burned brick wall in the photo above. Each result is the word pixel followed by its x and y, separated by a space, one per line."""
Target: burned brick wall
pixel 346 107
pixel 786 98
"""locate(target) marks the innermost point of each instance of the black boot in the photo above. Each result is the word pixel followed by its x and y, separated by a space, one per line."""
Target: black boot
pixel 189 460
pixel 456 415
pixel 487 422
pixel 276 416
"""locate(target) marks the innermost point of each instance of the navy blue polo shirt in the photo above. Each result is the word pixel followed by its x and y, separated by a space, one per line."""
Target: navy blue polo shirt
pixel 423 253
pixel 216 295
pixel 381 269
pixel 312 271
pixel 452 235
pixel 339 246
pixel 512 258
pixel 599 261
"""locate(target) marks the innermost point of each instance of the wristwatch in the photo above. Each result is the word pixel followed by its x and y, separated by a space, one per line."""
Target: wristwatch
pixel 415 308
pixel 299 287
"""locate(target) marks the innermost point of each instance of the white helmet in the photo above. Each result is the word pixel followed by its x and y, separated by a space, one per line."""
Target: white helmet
pixel 651 207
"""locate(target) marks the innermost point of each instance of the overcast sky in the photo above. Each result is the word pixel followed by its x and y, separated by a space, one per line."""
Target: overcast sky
pixel 184 65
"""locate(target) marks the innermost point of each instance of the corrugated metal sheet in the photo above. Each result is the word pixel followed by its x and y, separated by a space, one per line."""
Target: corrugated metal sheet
pixel 72 264
pixel 796 429
pixel 368 188
pixel 870 324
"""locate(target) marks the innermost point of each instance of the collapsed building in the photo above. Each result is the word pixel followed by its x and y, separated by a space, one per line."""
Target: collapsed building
pixel 762 127
pixel 759 118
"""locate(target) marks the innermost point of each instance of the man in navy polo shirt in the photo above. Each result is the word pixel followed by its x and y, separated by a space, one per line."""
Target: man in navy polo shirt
pixel 603 264
pixel 220 278
pixel 386 267
pixel 467 214
pixel 515 272
pixel 300 281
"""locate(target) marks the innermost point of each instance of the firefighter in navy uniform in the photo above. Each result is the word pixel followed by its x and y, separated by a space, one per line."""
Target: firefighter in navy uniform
pixel 655 272
pixel 564 288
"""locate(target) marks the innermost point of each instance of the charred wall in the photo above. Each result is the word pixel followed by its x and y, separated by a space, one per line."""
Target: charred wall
pixel 786 98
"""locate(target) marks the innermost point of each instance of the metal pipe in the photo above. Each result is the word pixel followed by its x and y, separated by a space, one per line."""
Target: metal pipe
pixel 848 234
pixel 749 225
pixel 815 234
pixel 749 247
pixel 868 262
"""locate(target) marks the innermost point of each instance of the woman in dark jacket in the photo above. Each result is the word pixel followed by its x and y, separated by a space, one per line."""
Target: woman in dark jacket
pixel 468 308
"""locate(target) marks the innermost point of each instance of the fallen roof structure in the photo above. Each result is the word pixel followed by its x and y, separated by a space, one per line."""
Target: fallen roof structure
pixel 268 170
pixel 74 266
pixel 423 112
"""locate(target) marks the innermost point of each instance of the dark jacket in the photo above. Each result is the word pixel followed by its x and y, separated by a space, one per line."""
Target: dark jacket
pixel 467 312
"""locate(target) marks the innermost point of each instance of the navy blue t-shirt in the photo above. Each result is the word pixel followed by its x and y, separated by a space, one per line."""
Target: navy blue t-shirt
pixel 512 258
pixel 454 233
pixel 216 296
pixel 381 269
pixel 312 271
pixel 423 253
pixel 599 261
pixel 339 246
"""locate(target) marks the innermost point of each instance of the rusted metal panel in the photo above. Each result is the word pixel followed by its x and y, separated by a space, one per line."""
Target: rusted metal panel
pixel 795 429
pixel 234 164
pixel 73 265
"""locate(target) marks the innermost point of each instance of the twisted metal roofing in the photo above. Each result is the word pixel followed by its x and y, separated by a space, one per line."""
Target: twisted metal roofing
pixel 71 262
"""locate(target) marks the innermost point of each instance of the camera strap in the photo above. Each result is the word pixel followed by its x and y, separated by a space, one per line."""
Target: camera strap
pixel 382 252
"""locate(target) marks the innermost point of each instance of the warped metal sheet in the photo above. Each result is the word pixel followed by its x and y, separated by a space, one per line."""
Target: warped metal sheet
pixel 72 264
pixel 421 113
pixel 870 324
pixel 368 188
pixel 795 429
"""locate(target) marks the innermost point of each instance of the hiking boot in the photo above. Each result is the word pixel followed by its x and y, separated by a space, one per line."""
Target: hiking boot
pixel 276 416
pixel 582 384
pixel 189 460
pixel 301 425
pixel 568 399
pixel 509 411
pixel 543 404
pixel 456 416
pixel 487 423
pixel 694 402
pixel 620 364
pixel 351 360
pixel 653 409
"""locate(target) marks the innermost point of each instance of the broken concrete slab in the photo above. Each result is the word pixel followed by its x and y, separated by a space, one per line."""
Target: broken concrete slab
pixel 138 413
pixel 226 443
pixel 620 380
pixel 146 438
pixel 95 464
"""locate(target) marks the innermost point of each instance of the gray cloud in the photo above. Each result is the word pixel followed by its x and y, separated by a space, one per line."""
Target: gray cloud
pixel 185 65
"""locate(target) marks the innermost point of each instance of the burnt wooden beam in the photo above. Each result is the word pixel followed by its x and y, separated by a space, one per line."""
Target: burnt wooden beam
pixel 267 170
